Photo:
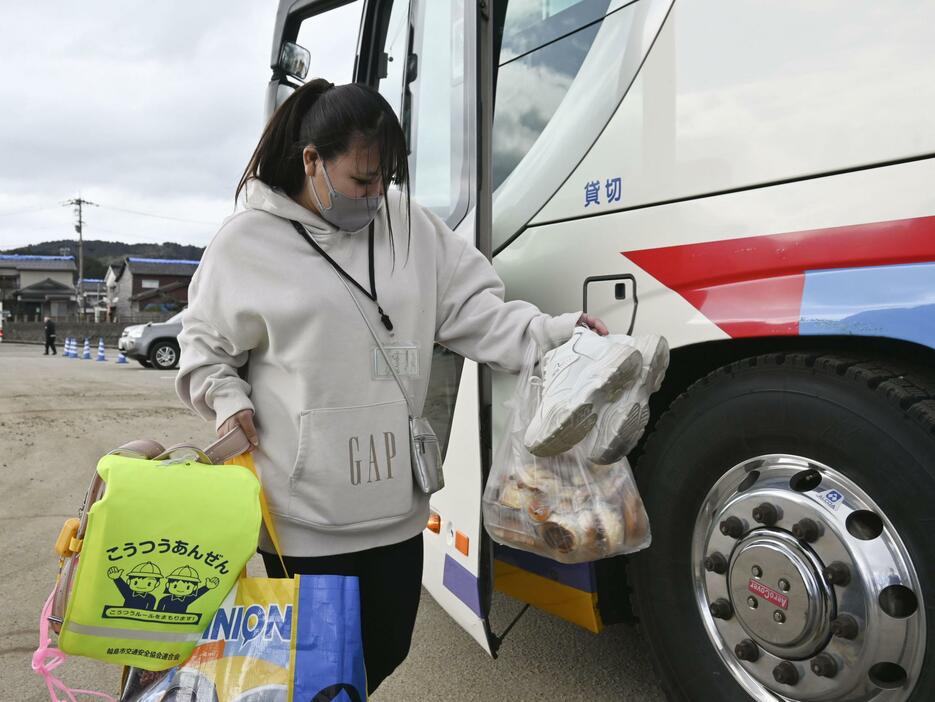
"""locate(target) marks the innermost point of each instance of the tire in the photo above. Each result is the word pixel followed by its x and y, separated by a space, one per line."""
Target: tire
pixel 144 362
pixel 164 355
pixel 870 421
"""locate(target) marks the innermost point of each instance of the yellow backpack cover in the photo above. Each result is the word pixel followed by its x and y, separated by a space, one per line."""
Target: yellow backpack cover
pixel 162 548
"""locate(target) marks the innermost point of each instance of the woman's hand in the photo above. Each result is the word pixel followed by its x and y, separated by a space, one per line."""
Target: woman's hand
pixel 594 324
pixel 243 419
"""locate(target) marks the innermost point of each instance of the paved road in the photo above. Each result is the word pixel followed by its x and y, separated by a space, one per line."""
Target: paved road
pixel 57 416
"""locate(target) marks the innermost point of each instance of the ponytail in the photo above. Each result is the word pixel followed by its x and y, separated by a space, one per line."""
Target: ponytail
pixel 277 158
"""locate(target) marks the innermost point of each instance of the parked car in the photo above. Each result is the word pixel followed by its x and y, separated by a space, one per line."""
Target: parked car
pixel 154 344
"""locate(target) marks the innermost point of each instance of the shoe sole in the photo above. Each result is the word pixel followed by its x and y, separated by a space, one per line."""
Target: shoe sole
pixel 619 433
pixel 572 423
pixel 656 362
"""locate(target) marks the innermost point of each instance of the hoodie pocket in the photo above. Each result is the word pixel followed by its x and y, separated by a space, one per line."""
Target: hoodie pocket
pixel 352 465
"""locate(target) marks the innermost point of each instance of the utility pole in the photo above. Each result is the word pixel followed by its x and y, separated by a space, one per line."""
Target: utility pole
pixel 78 202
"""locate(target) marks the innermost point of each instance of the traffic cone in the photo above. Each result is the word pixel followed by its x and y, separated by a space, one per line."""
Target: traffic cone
pixel 86 354
pixel 69 347
pixel 121 357
pixel 100 350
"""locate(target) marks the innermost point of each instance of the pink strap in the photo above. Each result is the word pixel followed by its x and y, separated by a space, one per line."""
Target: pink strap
pixel 47 658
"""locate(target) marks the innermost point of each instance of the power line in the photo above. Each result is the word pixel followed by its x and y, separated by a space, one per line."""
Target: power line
pixel 157 216
pixel 111 207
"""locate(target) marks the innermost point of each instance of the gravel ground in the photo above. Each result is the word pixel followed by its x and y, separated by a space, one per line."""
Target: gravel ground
pixel 58 416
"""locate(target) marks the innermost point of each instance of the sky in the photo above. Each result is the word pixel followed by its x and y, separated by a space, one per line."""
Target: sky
pixel 140 107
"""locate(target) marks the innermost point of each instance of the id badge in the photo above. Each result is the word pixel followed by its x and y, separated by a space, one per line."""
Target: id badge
pixel 403 355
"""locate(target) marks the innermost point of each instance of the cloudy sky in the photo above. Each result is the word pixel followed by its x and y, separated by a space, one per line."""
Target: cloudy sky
pixel 149 107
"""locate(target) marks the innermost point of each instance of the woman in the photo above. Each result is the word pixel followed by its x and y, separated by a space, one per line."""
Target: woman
pixel 330 429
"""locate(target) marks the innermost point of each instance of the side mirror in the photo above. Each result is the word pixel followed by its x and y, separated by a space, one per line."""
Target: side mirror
pixel 294 60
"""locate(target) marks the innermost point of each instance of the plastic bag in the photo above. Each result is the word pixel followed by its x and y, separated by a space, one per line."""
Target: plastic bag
pixel 272 640
pixel 562 507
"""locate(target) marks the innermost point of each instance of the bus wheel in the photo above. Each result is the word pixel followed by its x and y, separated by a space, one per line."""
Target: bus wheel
pixel 792 504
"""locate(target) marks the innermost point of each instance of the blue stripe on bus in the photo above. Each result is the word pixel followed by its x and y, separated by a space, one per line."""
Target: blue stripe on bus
pixel 889 301
pixel 460 581
pixel 579 575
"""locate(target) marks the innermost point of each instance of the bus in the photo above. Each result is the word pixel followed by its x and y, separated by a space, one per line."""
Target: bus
pixel 753 181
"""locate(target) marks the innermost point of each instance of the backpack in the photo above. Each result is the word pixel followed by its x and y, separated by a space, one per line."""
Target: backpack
pixel 161 538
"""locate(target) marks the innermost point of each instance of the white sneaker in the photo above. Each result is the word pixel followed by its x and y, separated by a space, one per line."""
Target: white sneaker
pixel 578 378
pixel 621 424
pixel 655 352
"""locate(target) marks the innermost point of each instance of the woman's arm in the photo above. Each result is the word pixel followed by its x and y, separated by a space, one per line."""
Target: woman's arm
pixel 472 318
pixel 217 335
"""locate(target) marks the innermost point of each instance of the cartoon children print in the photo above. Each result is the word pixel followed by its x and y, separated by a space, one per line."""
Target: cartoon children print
pixel 181 589
pixel 139 583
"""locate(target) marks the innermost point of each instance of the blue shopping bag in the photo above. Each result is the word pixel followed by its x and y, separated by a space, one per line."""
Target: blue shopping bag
pixel 272 640
pixel 328 644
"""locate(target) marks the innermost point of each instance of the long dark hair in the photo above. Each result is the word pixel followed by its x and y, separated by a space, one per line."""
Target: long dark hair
pixel 330 117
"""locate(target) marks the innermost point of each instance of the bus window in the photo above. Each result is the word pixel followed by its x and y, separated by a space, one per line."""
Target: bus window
pixel 439 165
pixel 531 23
pixel 397 38
pixel 331 37
pixel 531 84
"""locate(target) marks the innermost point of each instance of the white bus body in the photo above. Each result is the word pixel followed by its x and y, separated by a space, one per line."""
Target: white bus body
pixel 745 178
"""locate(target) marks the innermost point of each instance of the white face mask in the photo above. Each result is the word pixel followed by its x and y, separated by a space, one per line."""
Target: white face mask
pixel 350 214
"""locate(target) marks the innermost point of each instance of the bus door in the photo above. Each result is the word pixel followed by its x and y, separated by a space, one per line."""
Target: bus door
pixel 423 57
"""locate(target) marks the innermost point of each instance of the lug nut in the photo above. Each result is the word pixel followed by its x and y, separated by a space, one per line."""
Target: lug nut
pixel 779 617
pixel 721 609
pixel 715 563
pixel 845 626
pixel 766 514
pixel 838 574
pixel 752 603
pixel 786 674
pixel 746 650
pixel 784 585
pixel 757 571
pixel 806 529
pixel 824 666
pixel 732 527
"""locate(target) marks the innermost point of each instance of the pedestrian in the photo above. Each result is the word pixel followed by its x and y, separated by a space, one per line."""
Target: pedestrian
pixel 273 342
pixel 49 329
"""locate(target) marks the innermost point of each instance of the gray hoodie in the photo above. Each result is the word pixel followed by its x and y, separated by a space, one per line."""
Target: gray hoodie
pixel 333 452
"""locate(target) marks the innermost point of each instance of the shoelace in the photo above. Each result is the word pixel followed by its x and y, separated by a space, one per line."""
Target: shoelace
pixel 47 658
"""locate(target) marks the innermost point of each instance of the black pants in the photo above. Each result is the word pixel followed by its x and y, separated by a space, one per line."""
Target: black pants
pixel 50 344
pixel 390 585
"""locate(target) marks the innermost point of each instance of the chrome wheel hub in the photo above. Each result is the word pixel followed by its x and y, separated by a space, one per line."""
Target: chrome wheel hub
pixel 804 586
pixel 785 605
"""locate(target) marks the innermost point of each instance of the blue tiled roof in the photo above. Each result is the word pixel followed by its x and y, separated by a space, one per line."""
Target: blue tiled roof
pixel 165 261
pixel 33 257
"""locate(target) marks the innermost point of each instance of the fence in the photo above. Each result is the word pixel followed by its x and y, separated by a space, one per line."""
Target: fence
pixel 34 332
pixel 137 318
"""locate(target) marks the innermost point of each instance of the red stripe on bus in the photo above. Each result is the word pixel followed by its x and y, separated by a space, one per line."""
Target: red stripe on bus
pixel 753 286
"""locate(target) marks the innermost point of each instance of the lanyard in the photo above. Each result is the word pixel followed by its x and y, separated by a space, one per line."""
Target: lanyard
pixel 372 294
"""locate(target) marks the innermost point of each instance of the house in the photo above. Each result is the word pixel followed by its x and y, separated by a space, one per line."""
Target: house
pixel 95 295
pixel 33 287
pixel 138 285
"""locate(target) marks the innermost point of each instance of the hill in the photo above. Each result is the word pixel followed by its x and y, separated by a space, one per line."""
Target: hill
pixel 98 255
